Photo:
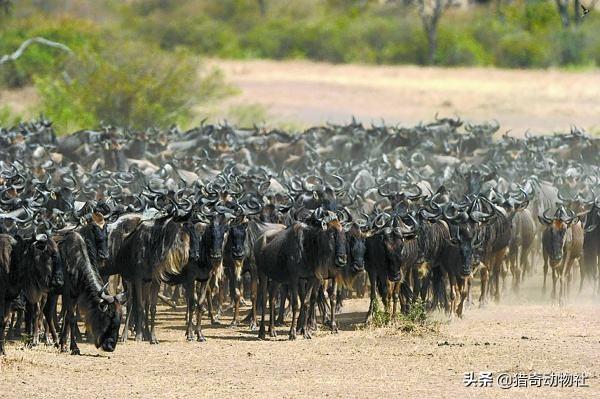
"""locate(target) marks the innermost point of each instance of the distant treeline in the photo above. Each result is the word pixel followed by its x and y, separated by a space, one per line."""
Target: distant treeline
pixel 512 34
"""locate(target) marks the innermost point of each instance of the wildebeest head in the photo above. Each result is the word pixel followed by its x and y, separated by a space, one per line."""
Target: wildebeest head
pixel 215 235
pixel 106 322
pixel 465 233
pixel 356 247
pixel 329 223
pixel 237 235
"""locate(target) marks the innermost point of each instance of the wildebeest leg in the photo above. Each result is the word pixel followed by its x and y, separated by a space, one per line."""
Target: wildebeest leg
pixel 4 316
pixel 294 283
pixel 262 294
pixel 254 298
pixel 34 327
pixel 304 307
pixel 50 314
pixel 545 271
pixel 312 314
pixel 202 295
pixel 463 290
pixel 484 275
pixel 395 293
pixel 153 299
pixel 453 295
pixel 214 318
pixel 130 310
pixel 554 278
pixel 191 305
pixel 138 308
pixel 273 288
pixel 332 305
pixel 283 295
pixel 147 288
pixel 234 294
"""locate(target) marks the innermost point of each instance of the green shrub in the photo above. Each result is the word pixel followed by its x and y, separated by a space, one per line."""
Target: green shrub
pixel 133 85
pixel 38 60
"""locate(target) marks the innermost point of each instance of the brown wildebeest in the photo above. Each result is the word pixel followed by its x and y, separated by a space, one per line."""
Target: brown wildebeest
pixel 562 243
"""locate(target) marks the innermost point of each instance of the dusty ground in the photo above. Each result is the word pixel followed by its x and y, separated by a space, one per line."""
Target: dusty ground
pixel 524 334
pixel 314 93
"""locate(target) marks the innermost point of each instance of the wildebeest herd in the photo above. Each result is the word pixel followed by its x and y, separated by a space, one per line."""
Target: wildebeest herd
pixel 102 224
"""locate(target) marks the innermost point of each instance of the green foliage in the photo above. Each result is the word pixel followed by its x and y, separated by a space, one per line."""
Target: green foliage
pixel 415 319
pixel 523 34
pixel 133 85
pixel 8 117
pixel 38 60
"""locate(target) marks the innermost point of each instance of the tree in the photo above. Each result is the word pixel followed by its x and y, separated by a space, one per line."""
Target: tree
pixel 575 19
pixel 430 12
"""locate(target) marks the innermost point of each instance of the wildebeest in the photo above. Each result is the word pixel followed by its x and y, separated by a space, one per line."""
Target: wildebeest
pixel 202 270
pixel 302 251
pixel 562 242
pixel 84 286
pixel 32 266
pixel 146 256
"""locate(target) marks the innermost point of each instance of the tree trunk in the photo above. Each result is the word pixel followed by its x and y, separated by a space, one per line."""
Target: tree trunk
pixel 432 40
pixel 263 7
pixel 577 12
pixel 563 11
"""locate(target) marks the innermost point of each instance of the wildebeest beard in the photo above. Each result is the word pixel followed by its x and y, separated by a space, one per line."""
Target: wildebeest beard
pixel 167 247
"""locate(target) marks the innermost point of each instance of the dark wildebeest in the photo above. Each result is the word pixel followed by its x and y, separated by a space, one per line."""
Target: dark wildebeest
pixel 302 251
pixel 383 261
pixel 356 249
pixel 84 286
pixel 31 266
pixel 197 274
pixel 562 242
pixel 155 249
pixel 591 246
pixel 238 258
pixel 459 255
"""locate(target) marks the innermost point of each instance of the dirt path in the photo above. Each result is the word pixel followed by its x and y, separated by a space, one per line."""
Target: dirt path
pixel 315 93
pixel 523 334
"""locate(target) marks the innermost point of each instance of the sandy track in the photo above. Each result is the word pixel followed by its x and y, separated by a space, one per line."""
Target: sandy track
pixel 315 93
pixel 523 334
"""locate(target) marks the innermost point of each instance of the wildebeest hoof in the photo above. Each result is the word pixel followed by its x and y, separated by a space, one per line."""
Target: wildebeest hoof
pixel 233 324
pixel 75 352
pixel 273 334
pixel 153 341
pixel 201 338
pixel 292 337
pixel 252 326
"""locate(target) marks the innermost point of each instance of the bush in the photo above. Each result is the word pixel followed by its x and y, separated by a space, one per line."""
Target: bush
pixel 38 60
pixel 135 85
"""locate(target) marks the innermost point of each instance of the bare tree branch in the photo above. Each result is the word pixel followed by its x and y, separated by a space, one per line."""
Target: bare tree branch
pixel 39 40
